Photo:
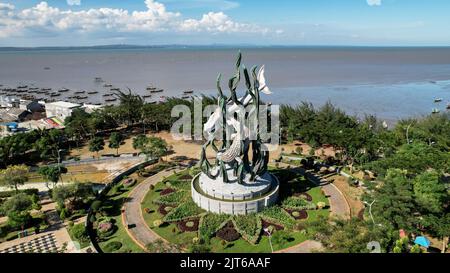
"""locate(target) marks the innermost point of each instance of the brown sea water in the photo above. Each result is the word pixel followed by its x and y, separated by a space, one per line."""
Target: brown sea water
pixel 392 83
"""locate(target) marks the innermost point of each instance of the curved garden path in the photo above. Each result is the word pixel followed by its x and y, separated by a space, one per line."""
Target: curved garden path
pixel 132 211
pixel 143 235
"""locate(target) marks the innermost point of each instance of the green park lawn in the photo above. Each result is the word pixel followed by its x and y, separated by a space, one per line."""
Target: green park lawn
pixel 116 200
pixel 171 233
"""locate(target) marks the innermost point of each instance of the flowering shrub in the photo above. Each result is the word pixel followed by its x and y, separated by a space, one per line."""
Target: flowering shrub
pixel 157 223
pixel 129 182
pixel 188 225
pixel 167 191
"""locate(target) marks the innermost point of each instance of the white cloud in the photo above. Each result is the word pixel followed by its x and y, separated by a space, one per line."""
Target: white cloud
pixel 44 18
pixel 219 22
pixel 73 2
pixel 374 2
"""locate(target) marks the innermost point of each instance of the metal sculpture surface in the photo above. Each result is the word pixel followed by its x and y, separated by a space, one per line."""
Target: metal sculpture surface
pixel 235 147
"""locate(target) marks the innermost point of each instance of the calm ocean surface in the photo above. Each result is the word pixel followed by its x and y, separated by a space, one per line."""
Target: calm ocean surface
pixel 392 83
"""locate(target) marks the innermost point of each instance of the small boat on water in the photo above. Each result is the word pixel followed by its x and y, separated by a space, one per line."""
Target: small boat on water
pixel 188 92
pixel 115 89
pixel 110 100
pixel 157 91
pixel 150 88
pixel 435 111
pixel 46 89
pixel 92 92
pixel 107 85
pixel 46 68
pixel 22 86
pixel 63 90
pixel 438 99
pixel 55 94
pixel 80 92
pixel 107 95
pixel 186 97
pixel 98 79
pixel 81 97
pixel 146 96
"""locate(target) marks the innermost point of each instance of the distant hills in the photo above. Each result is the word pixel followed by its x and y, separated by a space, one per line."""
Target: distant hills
pixel 177 46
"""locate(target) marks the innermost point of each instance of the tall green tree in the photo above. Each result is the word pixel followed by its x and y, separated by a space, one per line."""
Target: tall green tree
pixel 153 147
pixel 53 173
pixel 17 208
pixel 115 141
pixel 394 202
pixel 14 176
pixel 96 145
pixel 79 125
pixel 430 193
pixel 49 143
pixel 71 196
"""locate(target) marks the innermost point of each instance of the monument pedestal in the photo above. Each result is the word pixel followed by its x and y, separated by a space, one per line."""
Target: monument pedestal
pixel 233 198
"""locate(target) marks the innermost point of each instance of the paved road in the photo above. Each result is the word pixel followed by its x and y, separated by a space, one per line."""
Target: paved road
pixel 338 207
pixel 338 204
pixel 132 211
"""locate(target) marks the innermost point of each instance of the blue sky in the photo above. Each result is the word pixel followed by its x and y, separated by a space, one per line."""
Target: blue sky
pixel 261 22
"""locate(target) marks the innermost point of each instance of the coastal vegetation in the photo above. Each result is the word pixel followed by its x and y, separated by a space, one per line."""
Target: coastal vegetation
pixel 409 161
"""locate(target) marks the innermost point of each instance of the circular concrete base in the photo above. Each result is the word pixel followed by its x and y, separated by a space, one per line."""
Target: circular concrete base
pixel 232 190
pixel 233 198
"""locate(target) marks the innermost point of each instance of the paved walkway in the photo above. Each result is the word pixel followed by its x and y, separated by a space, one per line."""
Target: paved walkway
pixel 132 211
pixel 338 204
pixel 307 246
pixel 338 207
pixel 143 235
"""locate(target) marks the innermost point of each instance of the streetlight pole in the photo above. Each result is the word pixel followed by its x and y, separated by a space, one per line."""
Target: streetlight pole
pixel 370 209
pixel 270 238
pixel 59 165
pixel 407 133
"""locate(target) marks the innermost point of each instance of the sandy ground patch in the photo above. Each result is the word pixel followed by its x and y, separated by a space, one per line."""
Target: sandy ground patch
pixel 352 194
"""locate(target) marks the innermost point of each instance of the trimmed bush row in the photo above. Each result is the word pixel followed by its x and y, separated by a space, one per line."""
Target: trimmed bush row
pixel 249 226
pixel 279 216
pixel 297 203
pixel 183 212
pixel 172 199
pixel 210 223
pixel 6 194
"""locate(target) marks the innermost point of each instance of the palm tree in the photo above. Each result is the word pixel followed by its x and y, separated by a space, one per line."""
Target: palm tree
pixel 131 104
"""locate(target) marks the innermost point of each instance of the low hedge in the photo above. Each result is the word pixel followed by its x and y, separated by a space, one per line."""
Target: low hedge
pixel 112 246
pixel 210 223
pixel 6 194
pixel 249 226
pixel 184 211
pixel 279 216
pixel 172 199
pixel 298 203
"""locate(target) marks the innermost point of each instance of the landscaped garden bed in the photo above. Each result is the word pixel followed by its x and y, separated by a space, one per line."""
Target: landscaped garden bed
pixel 188 226
pixel 297 214
pixel 228 233
pixel 164 209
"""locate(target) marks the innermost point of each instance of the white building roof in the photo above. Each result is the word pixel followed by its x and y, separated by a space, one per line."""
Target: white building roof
pixel 64 104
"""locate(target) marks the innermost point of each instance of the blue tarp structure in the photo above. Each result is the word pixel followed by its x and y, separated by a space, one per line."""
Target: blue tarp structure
pixel 422 241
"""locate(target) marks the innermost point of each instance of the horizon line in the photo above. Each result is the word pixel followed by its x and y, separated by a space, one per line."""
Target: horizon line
pixel 100 46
